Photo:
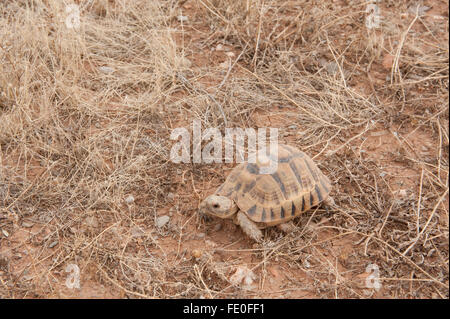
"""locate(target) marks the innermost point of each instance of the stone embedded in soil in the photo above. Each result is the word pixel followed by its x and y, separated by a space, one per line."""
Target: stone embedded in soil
pixel 27 224
pixel 402 193
pixel 182 18
pixel 161 221
pixel 217 227
pixel 200 235
pixel 129 199
pixel 106 69
pixel 210 243
pixel 224 65
pixel 137 232
pixel 196 253
pixel 53 244
pixel 418 9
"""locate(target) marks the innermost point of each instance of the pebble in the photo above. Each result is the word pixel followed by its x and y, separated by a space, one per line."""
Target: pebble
pixel 402 193
pixel 420 10
pixel 210 243
pixel 137 232
pixel 217 227
pixel 27 224
pixel 200 235
pixel 182 18
pixel 53 244
pixel 161 221
pixel 306 264
pixel 129 199
pixel 106 69
pixel 292 127
pixel 196 253
pixel 224 65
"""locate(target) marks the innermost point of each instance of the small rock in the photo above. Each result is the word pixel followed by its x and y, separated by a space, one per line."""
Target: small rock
pixel 292 127
pixel 420 10
pixel 182 18
pixel 330 67
pixel 161 221
pixel 5 233
pixel 224 65
pixel 171 196
pixel 137 232
pixel 402 193
pixel 200 235
pixel 230 54
pixel 106 69
pixel 53 244
pixel 210 243
pixel 27 224
pixel 306 263
pixel 217 227
pixel 219 47
pixel 196 253
pixel 129 200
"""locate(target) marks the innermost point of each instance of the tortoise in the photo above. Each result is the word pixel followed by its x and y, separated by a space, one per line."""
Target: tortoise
pixel 255 201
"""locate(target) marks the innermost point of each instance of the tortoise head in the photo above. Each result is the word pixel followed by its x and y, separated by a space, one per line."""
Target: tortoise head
pixel 219 206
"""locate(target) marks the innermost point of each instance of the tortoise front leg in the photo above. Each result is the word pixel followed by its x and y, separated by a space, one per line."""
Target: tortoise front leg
pixel 249 227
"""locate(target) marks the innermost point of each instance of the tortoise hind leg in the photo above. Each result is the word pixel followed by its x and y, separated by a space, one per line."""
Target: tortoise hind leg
pixel 287 228
pixel 249 227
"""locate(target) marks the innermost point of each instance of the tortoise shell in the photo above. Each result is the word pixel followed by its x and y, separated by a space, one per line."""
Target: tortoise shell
pixel 271 199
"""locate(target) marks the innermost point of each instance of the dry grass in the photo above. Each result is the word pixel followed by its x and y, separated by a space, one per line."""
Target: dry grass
pixel 371 106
